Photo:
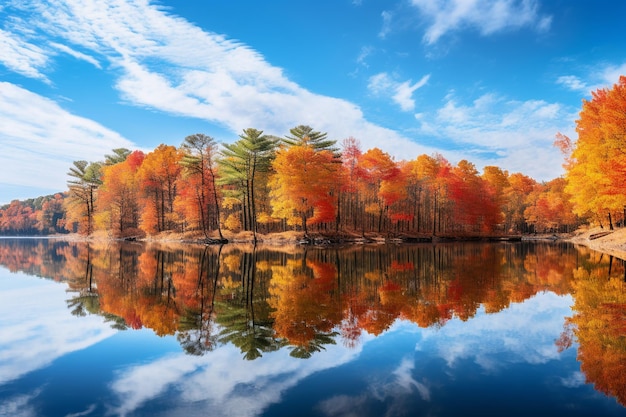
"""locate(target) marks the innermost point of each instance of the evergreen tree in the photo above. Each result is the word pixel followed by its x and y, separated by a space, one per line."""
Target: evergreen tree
pixel 305 135
pixel 241 167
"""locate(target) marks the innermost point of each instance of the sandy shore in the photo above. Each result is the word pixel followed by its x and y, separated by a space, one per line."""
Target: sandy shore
pixel 602 240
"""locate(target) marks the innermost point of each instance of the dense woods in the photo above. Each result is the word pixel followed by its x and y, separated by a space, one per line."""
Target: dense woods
pixel 303 182
pixel 309 183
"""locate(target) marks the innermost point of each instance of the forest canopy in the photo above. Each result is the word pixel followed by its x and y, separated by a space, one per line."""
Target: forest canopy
pixel 303 181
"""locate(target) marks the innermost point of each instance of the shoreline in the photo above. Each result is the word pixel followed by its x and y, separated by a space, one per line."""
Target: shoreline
pixel 602 240
pixel 611 242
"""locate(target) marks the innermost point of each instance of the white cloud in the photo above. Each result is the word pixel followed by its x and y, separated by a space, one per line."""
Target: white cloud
pixel 598 76
pixel 485 16
pixel 401 93
pixel 572 82
pixel 404 93
pixel 19 405
pixel 493 130
pixel 193 379
pixel 489 336
pixel 28 342
pixel 386 26
pixel 404 379
pixel 611 73
pixel 22 57
pixel 39 139
pixel 575 380
pixel 76 54
pixel 365 52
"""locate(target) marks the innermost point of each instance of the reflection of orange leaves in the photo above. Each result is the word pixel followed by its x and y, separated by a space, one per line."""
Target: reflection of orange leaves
pixel 133 320
pixel 161 318
pixel 324 274
pixel 600 325
pixel 263 266
pixel 615 314
pixel 303 304
pixel 376 322
pixel 427 314
pixel 350 332
pixel 392 298
pixel 232 262
pixel 389 292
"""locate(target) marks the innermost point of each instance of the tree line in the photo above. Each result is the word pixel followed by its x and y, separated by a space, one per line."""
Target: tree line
pixel 303 182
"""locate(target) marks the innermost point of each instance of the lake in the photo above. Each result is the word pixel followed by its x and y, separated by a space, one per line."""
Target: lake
pixel 459 329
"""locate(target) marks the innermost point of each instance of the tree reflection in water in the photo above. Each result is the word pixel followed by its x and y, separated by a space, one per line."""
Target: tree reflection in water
pixel 263 299
pixel 599 322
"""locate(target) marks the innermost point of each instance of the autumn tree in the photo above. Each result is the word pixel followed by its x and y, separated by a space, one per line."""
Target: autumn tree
pixel 198 195
pixel 302 185
pixel 550 209
pixel 350 210
pixel 381 183
pixel 475 205
pixel 119 196
pixel 596 161
pixel 18 219
pixel 51 217
pixel 427 182
pixel 158 176
pixel 516 202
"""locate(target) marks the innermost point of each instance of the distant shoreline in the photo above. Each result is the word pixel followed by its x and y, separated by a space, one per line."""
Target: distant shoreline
pixel 609 242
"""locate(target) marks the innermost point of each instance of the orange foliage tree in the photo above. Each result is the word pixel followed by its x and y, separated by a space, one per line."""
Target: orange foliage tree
pixel 596 162
pixel 158 176
pixel 381 182
pixel 475 202
pixel 302 185
pixel 118 202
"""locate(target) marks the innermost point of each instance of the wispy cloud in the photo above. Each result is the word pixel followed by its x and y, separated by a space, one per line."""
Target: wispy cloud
pixel 365 52
pixel 76 54
pixel 401 93
pixel 599 76
pixel 486 337
pixel 25 58
pixel 485 16
pixel 386 25
pixel 572 82
pixel 37 328
pixel 38 134
pixel 187 379
pixel 498 131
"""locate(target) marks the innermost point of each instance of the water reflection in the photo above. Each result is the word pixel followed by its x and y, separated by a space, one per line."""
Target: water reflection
pixel 263 299
pixel 599 322
pixel 274 305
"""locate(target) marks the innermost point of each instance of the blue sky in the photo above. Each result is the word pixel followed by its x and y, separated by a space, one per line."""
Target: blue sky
pixel 487 81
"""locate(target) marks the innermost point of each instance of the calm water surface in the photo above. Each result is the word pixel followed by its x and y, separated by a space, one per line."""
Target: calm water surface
pixel 433 330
